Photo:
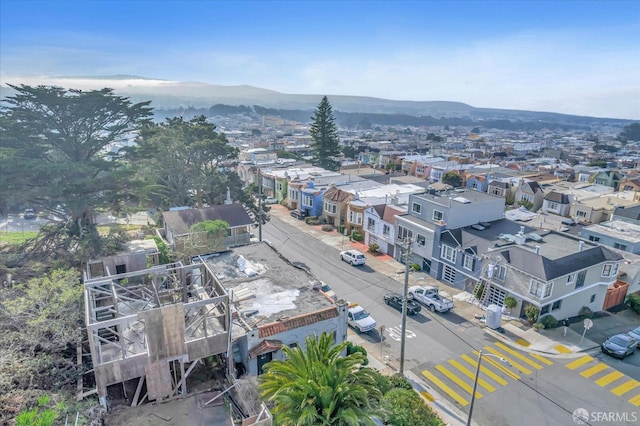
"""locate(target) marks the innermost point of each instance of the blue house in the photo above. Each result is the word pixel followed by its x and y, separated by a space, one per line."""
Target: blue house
pixel 312 199
pixel 477 182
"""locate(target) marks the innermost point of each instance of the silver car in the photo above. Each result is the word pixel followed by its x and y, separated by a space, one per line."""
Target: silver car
pixel 619 346
pixel 353 257
pixel 635 333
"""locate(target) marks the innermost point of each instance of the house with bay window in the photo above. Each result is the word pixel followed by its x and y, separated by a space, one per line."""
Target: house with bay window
pixel 561 275
pixel 379 226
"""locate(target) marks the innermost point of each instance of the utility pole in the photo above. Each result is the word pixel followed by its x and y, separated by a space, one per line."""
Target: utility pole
pixel 407 254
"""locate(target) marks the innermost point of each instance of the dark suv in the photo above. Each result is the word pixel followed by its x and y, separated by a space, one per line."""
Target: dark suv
pixel 298 214
pixel 29 214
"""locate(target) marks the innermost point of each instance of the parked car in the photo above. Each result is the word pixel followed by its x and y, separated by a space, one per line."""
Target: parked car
pixel 430 297
pixel 619 346
pixel 298 214
pixel 395 300
pixel 353 257
pixel 271 200
pixel 359 319
pixel 29 214
pixel 635 333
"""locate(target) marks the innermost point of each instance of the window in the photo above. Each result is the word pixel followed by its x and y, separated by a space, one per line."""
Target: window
pixel 580 279
pixel 421 240
pixel 535 288
pixel 544 310
pixel 437 215
pixel 404 233
pixel 355 217
pixel 619 246
pixel 293 194
pixel 526 197
pixel 448 253
pixel 467 263
pixel 593 298
pixel 556 305
pixel 540 289
pixel 449 274
pixel 416 208
pixel 609 269
pixel 580 213
pixel 330 207
pixel 279 186
pixel 386 230
pixel 500 273
pixel 371 224
pixel 307 200
pixel 592 238
pixel 571 279
pixel 552 206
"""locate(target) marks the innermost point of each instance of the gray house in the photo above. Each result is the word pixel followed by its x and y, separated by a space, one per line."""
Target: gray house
pixel 617 234
pixel 557 203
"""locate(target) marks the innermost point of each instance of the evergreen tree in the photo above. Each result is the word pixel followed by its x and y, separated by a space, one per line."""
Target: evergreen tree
pixel 325 136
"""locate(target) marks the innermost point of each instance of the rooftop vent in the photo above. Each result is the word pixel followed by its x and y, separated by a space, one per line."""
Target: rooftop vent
pixel 461 200
pixel 478 227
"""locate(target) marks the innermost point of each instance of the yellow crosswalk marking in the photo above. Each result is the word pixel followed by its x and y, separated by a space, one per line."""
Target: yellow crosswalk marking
pixel 635 400
pixel 609 378
pixel 427 395
pixel 500 367
pixel 453 394
pixel 541 359
pixel 514 364
pixel 562 349
pixel 457 380
pixel 625 387
pixel 594 370
pixel 579 362
pixel 485 370
pixel 471 375
pixel 519 356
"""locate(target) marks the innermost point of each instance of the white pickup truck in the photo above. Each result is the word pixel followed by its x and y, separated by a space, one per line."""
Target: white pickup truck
pixel 431 298
pixel 359 319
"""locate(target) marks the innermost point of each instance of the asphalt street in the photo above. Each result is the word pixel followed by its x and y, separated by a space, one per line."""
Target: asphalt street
pixel 441 350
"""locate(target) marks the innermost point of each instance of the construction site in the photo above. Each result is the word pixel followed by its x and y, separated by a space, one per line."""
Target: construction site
pixel 161 334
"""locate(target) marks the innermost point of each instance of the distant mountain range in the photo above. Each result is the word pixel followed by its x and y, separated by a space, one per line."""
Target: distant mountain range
pixel 174 95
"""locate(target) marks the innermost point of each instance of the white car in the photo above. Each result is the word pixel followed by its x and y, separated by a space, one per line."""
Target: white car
pixel 353 257
pixel 635 333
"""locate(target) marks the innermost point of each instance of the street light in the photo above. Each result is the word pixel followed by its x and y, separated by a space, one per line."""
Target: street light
pixel 475 382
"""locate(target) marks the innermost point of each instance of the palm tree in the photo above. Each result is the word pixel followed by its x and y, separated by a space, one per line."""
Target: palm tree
pixel 318 386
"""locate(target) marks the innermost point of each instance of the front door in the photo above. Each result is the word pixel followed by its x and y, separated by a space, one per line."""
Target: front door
pixel 262 360
pixel 426 265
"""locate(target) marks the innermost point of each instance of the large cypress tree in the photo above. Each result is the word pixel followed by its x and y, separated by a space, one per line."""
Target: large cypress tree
pixel 325 137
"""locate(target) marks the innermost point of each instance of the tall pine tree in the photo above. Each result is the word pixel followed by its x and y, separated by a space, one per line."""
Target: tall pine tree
pixel 325 137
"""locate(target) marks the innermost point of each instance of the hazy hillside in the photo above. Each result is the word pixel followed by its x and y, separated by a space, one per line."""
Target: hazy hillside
pixel 170 95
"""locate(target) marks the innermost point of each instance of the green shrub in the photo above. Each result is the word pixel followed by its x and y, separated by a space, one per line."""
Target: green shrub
pixel 510 302
pixel 415 267
pixel 549 321
pixel 479 291
pixel 585 312
pixel 532 312
pixel 327 228
pixel 374 248
pixel 538 326
pixel 633 300
pixel 351 349
pixel 356 236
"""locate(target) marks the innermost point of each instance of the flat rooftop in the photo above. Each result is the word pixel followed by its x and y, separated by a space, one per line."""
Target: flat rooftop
pixel 617 229
pixel 464 196
pixel 264 286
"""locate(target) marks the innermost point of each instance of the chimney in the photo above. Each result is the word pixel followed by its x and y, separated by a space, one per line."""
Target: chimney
pixel 537 249
pixel 580 245
pixel 228 200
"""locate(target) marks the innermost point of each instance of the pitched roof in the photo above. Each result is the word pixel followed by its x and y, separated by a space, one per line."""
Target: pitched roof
pixel 549 269
pixel 296 322
pixel 264 347
pixel 180 221
pixel 557 197
pixel 335 194
pixel 499 184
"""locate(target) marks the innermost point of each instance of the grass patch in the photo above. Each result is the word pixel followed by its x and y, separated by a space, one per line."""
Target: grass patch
pixel 16 238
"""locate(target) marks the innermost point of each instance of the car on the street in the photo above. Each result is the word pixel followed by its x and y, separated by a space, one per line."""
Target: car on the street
pixel 29 214
pixel 619 346
pixel 359 319
pixel 353 257
pixel 635 333
pixel 271 200
pixel 431 298
pixel 298 214
pixel 395 300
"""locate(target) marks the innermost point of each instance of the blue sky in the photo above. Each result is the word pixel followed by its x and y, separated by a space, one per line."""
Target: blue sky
pixel 576 57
